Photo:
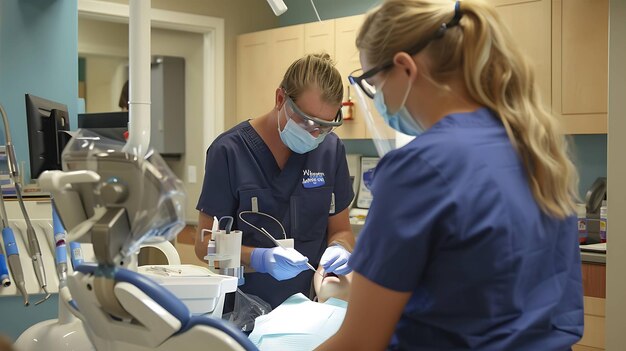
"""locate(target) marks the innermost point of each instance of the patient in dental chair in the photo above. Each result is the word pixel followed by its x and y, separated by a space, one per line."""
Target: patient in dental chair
pixel 301 324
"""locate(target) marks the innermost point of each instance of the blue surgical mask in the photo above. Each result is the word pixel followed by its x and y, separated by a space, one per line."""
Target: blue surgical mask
pixel 402 121
pixel 297 139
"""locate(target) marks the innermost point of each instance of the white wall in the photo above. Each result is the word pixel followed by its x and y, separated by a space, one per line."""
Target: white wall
pixel 105 70
pixel 240 16
pixel 104 78
pixel 616 255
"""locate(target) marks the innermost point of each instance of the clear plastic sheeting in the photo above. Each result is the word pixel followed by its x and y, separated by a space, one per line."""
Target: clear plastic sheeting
pixel 150 193
pixel 383 136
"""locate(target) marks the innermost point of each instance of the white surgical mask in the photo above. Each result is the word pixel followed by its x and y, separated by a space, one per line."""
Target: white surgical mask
pixel 296 138
pixel 402 121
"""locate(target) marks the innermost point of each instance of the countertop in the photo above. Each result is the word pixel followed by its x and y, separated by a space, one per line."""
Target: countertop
pixel 593 257
pixel 594 253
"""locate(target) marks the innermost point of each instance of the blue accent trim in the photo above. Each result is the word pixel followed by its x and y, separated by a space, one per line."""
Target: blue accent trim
pixel 4 271
pixel 224 326
pixel 61 254
pixel 57 225
pixel 9 241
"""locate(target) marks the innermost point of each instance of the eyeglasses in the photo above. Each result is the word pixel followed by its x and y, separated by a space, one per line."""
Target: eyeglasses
pixel 369 89
pixel 309 123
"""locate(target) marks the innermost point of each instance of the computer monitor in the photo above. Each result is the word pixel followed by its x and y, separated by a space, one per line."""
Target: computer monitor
pixel 108 124
pixel 47 123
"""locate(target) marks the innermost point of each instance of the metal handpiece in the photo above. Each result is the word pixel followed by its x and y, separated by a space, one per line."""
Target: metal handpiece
pixel 7 233
pixel 12 252
pixel 33 247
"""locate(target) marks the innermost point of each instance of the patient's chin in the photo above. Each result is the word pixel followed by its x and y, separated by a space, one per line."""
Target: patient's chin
pixel 333 287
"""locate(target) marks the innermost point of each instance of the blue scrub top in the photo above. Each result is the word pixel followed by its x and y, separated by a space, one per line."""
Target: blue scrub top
pixel 453 221
pixel 311 187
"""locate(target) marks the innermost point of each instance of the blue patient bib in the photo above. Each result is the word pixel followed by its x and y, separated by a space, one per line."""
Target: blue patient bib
pixel 298 324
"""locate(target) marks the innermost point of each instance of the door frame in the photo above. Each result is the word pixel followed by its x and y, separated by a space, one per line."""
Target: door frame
pixel 212 30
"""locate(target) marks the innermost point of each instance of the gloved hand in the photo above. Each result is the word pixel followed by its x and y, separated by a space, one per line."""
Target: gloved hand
pixel 281 263
pixel 335 260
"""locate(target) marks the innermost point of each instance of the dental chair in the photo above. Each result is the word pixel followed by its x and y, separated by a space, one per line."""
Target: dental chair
pixel 118 201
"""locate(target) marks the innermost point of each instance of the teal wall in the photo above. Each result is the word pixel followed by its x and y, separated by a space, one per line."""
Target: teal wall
pixel 301 11
pixel 590 158
pixel 16 318
pixel 38 55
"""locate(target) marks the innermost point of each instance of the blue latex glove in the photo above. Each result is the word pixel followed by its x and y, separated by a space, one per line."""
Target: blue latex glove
pixel 335 260
pixel 281 263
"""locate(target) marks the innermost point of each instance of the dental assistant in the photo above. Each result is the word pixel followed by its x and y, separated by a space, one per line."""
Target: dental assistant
pixel 470 241
pixel 287 164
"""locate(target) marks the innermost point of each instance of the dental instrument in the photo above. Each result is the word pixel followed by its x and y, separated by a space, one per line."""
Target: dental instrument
pixel 277 243
pixel 60 245
pixel 12 252
pixel 33 243
pixel 4 271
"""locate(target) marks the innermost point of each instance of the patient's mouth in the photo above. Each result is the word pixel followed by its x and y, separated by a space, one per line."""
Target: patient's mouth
pixel 330 275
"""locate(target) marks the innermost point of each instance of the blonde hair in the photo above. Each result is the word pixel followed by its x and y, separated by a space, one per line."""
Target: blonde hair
pixel 496 75
pixel 314 71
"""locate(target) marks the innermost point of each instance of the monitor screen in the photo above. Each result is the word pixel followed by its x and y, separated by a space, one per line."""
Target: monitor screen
pixel 47 123
pixel 108 124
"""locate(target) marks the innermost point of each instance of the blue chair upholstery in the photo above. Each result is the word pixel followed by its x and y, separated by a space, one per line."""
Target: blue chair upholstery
pixel 173 305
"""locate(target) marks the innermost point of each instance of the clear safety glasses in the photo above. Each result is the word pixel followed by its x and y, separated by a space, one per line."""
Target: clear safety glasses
pixel 309 123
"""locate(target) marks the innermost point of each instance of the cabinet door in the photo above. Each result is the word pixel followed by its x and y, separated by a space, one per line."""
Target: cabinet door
pixel 529 23
pixel 347 57
pixel 580 59
pixel 287 46
pixel 320 37
pixel 255 92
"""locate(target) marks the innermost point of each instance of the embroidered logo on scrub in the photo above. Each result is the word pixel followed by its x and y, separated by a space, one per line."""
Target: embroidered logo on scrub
pixel 312 179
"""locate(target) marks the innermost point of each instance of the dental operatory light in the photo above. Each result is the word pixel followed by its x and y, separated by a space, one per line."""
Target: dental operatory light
pixel 279 7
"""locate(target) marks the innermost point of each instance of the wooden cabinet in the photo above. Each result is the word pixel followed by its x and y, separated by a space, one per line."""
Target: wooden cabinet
pixel 594 287
pixel 347 56
pixel 255 92
pixel 566 41
pixel 287 46
pixel 580 64
pixel 262 59
pixel 529 24
pixel 320 37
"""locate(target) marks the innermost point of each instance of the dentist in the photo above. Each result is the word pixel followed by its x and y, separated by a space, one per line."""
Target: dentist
pixel 287 164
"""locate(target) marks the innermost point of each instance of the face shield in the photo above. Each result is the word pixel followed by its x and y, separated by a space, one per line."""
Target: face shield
pixel 383 136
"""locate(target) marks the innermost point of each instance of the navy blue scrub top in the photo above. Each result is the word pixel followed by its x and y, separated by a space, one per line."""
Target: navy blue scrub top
pixel 240 169
pixel 453 221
